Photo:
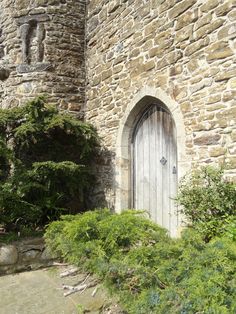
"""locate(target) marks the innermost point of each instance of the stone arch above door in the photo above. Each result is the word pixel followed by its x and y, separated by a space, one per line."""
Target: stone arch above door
pixel 137 105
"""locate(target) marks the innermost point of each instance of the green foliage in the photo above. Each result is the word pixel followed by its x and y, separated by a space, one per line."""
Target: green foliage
pixel 208 200
pixel 24 233
pixel 81 309
pixel 45 159
pixel 230 228
pixel 99 235
pixel 150 272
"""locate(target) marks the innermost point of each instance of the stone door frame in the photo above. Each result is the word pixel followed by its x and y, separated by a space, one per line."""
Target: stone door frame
pixel 143 98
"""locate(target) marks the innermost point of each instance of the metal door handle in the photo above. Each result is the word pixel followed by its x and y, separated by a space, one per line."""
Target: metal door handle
pixel 163 161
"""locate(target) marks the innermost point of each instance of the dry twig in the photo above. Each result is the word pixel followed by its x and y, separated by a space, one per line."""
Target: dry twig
pixel 69 272
pixel 82 288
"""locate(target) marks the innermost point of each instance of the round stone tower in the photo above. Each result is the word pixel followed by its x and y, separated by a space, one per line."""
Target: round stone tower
pixel 42 52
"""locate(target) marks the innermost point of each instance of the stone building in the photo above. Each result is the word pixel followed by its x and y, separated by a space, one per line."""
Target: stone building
pixel 42 52
pixel 154 76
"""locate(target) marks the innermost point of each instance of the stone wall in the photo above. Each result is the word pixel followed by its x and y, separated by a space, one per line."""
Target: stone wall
pixel 24 255
pixel 42 52
pixel 183 50
pixel 186 49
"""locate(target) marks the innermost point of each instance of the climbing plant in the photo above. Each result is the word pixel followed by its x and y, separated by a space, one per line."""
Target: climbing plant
pixel 45 161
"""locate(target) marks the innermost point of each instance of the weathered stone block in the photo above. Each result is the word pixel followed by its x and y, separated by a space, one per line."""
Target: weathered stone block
pixel 200 85
pixel 95 80
pixel 151 28
pixel 180 93
pixel 193 65
pixel 149 65
pixel 215 107
pixel 219 50
pixel 209 5
pixel 125 83
pixel 113 6
pixel 147 45
pixel 222 76
pixel 229 95
pixel 135 52
pixel 47 255
pixel 28 18
pixel 207 139
pixel 136 62
pixel 209 28
pixel 204 20
pixel 8 255
pixel 180 8
pixel 106 74
pixel 232 83
pixel 93 23
pixel 231 162
pixel 213 99
pixel 196 46
pixel 217 151
pixel 224 8
pixel 233 136
pixel 232 15
pixel 229 114
pixel 184 34
pixel 30 255
pixel 37 11
pixel 186 19
pixel 4 73
pixel 169 59
pixel 165 5
pixel 176 69
pixel 227 32
pixel 119 59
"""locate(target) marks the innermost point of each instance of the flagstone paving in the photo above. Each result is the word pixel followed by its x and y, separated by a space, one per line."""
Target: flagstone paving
pixel 40 292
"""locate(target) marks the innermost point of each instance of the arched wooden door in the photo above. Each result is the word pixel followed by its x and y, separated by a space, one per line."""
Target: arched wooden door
pixel 154 164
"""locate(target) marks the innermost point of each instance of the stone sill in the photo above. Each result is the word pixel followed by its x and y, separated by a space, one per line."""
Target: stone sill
pixel 38 67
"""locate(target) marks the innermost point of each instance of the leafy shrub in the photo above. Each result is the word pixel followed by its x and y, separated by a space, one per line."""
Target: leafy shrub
pixel 45 159
pixel 230 228
pixel 149 271
pixel 99 235
pixel 208 200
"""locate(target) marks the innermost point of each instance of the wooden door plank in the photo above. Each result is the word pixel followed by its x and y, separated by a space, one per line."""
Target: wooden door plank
pixel 146 161
pixel 173 184
pixel 159 178
pixel 153 164
pixel 139 168
pixel 165 170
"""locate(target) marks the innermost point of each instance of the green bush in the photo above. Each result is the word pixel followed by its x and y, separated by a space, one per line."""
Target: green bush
pixel 150 272
pixel 45 160
pixel 230 228
pixel 208 201
pixel 99 235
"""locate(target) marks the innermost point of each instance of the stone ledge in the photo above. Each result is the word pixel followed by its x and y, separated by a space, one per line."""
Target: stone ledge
pixel 39 67
pixel 24 255
pixel 34 17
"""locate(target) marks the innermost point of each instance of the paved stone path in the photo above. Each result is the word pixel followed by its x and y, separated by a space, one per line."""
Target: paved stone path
pixel 40 292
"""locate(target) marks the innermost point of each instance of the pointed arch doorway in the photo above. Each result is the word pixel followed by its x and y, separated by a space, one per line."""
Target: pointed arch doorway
pixel 154 166
pixel 149 109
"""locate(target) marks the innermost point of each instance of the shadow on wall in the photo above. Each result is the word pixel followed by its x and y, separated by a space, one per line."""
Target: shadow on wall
pixel 103 192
